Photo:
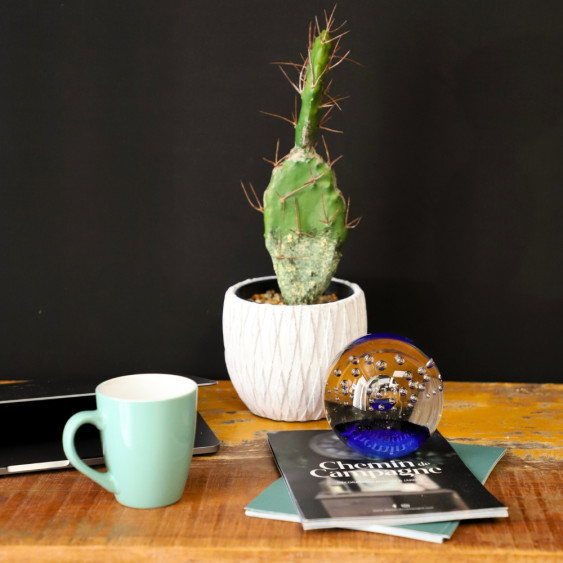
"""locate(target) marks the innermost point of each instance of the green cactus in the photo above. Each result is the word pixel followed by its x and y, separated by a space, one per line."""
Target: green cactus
pixel 305 214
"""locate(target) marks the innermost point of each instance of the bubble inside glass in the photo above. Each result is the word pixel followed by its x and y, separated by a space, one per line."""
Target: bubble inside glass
pixel 383 396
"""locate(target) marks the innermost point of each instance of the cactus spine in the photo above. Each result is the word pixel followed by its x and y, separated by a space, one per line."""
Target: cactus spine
pixel 305 214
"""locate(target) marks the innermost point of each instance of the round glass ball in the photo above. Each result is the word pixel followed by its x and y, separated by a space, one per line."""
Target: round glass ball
pixel 383 396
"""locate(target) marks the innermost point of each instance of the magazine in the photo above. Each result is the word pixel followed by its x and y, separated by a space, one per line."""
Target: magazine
pixel 275 501
pixel 332 486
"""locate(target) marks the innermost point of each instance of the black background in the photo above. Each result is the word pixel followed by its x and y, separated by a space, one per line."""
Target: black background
pixel 126 128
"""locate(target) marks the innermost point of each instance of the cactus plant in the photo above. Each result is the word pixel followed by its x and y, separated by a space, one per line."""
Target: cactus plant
pixel 305 214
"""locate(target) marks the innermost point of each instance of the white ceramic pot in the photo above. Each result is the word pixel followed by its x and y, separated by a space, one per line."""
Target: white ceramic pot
pixel 277 356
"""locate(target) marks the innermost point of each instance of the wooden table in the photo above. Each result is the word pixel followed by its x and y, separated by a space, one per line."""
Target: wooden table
pixel 63 516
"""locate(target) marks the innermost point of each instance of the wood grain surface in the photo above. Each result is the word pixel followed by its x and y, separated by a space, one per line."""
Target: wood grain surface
pixel 63 516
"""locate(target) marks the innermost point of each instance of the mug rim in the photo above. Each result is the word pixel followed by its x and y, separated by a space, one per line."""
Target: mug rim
pixel 180 386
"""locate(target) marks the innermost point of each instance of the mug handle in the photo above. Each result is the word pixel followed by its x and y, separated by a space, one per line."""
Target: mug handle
pixel 106 480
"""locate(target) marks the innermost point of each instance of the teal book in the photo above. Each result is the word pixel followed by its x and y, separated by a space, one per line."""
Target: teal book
pixel 276 503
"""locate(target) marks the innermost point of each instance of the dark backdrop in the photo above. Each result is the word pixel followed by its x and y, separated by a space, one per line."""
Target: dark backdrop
pixel 126 128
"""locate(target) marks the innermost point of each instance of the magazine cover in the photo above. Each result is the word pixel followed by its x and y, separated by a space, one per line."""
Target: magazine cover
pixel 275 501
pixel 331 485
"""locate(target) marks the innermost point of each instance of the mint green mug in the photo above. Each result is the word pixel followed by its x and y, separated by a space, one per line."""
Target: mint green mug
pixel 147 424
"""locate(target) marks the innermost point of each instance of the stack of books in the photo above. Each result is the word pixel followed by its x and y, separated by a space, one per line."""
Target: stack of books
pixel 422 496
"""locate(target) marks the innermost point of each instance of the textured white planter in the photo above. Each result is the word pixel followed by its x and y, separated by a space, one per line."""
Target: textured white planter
pixel 278 355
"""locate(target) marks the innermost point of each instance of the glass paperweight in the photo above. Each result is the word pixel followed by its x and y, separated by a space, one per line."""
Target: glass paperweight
pixel 383 396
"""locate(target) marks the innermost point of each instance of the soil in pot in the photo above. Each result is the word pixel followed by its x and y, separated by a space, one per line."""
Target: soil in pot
pixel 275 298
pixel 268 292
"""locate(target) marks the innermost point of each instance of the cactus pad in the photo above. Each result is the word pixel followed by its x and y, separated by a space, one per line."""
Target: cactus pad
pixel 304 219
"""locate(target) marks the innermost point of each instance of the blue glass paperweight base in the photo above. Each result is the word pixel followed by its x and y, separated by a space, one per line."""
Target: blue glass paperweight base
pixel 383 396
pixel 381 440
